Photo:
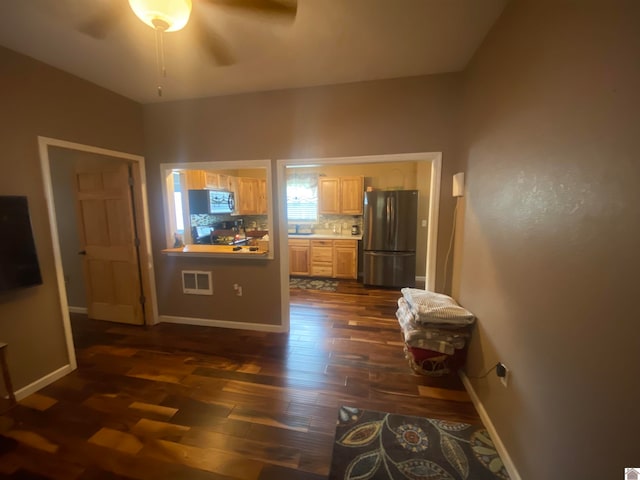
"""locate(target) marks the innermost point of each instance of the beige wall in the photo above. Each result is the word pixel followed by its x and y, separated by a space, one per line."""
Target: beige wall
pixel 39 100
pixel 549 257
pixel 416 114
pixel 62 169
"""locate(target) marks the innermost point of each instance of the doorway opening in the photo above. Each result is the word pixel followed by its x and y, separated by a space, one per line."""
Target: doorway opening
pixel 132 167
pixel 429 162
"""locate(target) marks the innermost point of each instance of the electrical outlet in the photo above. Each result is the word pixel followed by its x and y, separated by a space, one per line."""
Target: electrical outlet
pixel 503 373
pixel 238 289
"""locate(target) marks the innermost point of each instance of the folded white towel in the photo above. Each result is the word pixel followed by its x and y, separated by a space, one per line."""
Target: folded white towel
pixel 431 307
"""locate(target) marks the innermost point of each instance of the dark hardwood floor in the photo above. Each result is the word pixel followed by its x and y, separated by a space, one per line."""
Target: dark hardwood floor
pixel 188 402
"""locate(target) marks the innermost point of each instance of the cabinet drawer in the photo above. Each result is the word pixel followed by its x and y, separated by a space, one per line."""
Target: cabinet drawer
pixel 298 242
pixel 321 243
pixel 346 243
pixel 321 270
pixel 321 254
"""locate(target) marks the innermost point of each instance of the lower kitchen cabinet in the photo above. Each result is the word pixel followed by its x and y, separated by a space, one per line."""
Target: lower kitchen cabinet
pixel 324 258
pixel 299 257
pixel 345 259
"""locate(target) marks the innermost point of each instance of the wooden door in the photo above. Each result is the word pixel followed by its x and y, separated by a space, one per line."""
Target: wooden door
pixel 262 197
pixel 351 195
pixel 211 180
pixel 345 259
pixel 299 257
pixel 107 234
pixel 328 195
pixel 195 179
pixel 247 198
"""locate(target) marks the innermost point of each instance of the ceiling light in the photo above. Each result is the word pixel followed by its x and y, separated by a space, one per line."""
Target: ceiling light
pixel 165 15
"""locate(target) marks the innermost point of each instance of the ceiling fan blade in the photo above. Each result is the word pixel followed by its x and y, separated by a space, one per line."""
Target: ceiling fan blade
pixel 211 42
pixel 100 24
pixel 282 8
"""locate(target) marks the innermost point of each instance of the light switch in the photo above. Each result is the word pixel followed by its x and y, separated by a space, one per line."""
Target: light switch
pixel 423 223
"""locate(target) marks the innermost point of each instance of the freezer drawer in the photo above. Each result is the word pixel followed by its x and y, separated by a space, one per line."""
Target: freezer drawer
pixel 388 269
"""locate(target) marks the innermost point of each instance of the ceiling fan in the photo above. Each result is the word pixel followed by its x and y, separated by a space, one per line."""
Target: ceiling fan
pixel 172 15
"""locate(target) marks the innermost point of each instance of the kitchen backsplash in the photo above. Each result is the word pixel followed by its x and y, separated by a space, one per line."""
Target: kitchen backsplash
pixel 325 224
pixel 330 224
pixel 258 222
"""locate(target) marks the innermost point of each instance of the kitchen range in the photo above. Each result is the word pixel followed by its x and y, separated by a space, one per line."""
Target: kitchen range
pixel 221 233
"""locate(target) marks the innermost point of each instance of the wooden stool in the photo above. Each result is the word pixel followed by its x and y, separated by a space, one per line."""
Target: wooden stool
pixel 5 373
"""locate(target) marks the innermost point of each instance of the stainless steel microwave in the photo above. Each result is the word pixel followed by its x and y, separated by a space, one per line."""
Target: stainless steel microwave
pixel 211 201
pixel 221 202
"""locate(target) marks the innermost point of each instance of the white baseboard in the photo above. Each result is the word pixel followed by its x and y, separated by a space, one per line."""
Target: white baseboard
pixel 43 382
pixel 78 310
pixel 205 322
pixel 486 420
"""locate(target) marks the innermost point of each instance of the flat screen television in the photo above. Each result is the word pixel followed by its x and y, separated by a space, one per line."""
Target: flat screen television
pixel 18 258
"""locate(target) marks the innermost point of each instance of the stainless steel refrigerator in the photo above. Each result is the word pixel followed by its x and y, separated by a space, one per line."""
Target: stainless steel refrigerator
pixel 389 238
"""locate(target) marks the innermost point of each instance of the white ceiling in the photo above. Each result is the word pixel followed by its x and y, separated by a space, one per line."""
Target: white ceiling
pixel 330 41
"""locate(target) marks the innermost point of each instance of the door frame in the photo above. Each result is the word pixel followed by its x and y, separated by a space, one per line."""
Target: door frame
pixel 143 210
pixel 434 158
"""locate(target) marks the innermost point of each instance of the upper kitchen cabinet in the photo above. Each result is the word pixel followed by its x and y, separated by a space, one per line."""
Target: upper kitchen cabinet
pixel 328 195
pixel 251 196
pixel 195 179
pixel 340 195
pixel 202 179
pixel 351 195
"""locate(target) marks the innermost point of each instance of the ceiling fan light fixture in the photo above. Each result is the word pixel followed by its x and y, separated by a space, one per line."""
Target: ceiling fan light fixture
pixel 158 14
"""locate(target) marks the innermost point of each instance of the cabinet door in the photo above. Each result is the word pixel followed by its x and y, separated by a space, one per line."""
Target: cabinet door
pixel 224 182
pixel 351 195
pixel 345 259
pixel 195 179
pixel 262 197
pixel 211 180
pixel 328 195
pixel 321 251
pixel 247 196
pixel 298 258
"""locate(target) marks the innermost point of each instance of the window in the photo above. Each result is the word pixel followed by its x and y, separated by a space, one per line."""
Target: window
pixel 177 202
pixel 302 197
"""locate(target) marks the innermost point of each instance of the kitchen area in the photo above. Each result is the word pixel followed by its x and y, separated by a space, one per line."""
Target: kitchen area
pixel 220 211
pixel 360 227
pixel 325 246
pixel 363 222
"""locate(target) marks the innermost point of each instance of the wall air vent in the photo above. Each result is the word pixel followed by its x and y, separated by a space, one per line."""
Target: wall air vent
pixel 196 282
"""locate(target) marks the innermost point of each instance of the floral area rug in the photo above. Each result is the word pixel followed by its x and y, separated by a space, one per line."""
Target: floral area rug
pixel 376 445
pixel 313 284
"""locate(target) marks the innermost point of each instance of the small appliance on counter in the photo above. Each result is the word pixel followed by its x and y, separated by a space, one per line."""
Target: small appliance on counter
pixel 355 229
pixel 201 235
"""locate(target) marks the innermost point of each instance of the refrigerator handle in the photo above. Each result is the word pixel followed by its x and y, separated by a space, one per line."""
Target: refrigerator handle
pixel 388 202
pixel 388 254
pixel 394 219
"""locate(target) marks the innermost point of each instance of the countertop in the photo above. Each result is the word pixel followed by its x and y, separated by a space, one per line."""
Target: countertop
pixel 330 236
pixel 225 251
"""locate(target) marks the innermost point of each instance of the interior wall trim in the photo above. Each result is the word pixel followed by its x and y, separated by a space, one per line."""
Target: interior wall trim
pixel 48 379
pixel 434 158
pixel 45 168
pixel 486 420
pixel 206 322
